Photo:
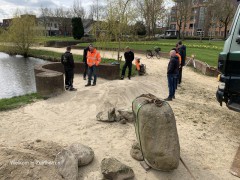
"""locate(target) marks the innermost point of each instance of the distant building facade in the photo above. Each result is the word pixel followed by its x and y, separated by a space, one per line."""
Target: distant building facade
pixel 198 23
pixel 55 26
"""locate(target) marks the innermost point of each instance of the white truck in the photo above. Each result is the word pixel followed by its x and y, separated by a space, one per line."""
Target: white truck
pixel 229 67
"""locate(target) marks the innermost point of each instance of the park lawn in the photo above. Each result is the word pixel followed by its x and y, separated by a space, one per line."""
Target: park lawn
pixel 207 51
pixel 43 39
pixel 16 102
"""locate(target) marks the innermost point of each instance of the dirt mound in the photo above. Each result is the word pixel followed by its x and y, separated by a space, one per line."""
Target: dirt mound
pixel 34 160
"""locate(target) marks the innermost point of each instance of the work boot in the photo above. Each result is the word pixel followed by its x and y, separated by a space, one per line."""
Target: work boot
pixel 168 99
pixel 88 84
pixel 94 84
pixel 84 78
pixel 72 89
pixel 122 77
pixel 173 97
pixel 66 87
pixel 129 77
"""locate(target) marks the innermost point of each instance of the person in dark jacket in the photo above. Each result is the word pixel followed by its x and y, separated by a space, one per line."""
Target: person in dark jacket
pixel 129 57
pixel 85 51
pixel 68 63
pixel 172 71
pixel 182 51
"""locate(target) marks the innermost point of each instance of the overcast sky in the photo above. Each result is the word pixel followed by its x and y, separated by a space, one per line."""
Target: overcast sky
pixel 8 7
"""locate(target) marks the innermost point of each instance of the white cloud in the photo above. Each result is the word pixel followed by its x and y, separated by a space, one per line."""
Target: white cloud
pixel 9 7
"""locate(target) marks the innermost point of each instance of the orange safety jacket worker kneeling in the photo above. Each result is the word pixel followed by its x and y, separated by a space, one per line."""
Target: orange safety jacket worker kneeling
pixel 93 58
pixel 137 62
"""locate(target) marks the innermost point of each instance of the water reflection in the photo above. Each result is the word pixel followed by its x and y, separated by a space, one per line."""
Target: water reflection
pixel 17 75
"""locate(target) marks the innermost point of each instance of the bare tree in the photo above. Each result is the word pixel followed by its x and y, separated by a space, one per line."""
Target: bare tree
pixel 78 10
pixel 45 18
pixel 97 11
pixel 184 10
pixel 152 11
pixel 226 13
pixel 63 18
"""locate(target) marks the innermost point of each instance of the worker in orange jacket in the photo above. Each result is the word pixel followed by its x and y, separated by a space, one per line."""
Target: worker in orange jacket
pixel 93 60
pixel 137 63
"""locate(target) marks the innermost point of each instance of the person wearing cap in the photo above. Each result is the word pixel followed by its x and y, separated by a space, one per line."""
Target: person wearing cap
pixel 85 51
pixel 68 63
pixel 93 60
pixel 129 57
pixel 172 71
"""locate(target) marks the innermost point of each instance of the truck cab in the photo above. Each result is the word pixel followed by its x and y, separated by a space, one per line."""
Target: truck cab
pixel 229 67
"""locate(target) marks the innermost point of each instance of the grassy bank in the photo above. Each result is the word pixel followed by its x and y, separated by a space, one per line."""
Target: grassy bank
pixel 206 51
pixel 44 39
pixel 16 102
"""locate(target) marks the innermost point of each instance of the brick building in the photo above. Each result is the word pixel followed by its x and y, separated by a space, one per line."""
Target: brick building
pixel 199 22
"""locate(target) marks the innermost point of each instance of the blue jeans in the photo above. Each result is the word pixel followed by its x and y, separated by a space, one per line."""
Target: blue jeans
pixel 92 71
pixel 171 84
pixel 176 81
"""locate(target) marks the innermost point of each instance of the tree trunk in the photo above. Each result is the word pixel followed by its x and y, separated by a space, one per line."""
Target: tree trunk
pixel 225 30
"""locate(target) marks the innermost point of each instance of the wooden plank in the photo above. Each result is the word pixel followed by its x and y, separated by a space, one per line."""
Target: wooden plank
pixel 235 169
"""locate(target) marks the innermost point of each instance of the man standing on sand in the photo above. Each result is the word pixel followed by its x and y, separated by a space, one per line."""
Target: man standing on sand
pixel 85 51
pixel 172 71
pixel 180 61
pixel 93 60
pixel 68 63
pixel 182 51
pixel 129 57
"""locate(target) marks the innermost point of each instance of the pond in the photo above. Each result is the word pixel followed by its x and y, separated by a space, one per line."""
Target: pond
pixel 17 75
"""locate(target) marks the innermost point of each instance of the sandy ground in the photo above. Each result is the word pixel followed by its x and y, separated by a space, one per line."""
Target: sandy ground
pixel 209 134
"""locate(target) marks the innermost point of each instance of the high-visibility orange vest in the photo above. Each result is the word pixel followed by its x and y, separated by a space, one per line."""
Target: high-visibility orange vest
pixel 93 58
pixel 137 64
pixel 179 58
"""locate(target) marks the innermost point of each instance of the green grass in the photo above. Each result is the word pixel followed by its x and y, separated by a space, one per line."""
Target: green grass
pixel 206 51
pixel 44 39
pixel 16 102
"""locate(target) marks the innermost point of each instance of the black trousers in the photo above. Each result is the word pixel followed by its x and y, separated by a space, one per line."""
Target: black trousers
pixel 180 75
pixel 85 70
pixel 69 75
pixel 129 65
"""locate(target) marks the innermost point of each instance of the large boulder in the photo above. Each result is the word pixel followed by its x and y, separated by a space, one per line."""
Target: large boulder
pixel 67 164
pixel 157 132
pixel 113 169
pixel 84 154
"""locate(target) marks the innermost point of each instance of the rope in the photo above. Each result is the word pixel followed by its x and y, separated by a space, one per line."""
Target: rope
pixel 187 169
pixel 151 99
pixel 159 103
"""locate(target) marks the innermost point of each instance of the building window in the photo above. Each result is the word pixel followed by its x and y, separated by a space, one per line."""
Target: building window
pixel 173 11
pixel 55 25
pixel 173 26
pixel 190 26
pixel 173 19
